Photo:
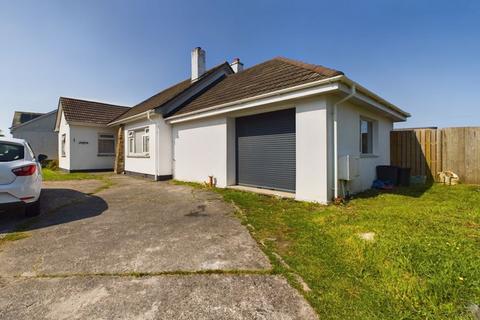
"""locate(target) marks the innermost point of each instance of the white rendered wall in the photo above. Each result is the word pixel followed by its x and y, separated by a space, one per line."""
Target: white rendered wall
pixel 200 150
pixel 84 148
pixel 165 148
pixel 349 142
pixel 311 153
pixel 160 148
pixel 64 128
pixel 231 152
pixel 207 147
pixel 40 135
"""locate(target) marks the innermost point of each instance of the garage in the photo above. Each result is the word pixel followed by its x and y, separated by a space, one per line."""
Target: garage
pixel 265 150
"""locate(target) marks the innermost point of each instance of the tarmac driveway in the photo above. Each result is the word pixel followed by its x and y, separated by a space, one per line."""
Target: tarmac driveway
pixel 138 250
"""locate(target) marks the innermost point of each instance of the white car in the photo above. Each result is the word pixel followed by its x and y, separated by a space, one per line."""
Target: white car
pixel 20 177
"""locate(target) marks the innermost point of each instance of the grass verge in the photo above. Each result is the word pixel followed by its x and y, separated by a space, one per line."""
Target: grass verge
pixel 57 175
pixel 14 236
pixel 423 262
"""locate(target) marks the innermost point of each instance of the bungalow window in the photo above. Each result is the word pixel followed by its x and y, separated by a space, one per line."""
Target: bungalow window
pixel 62 144
pixel 139 142
pixel 131 142
pixel 106 144
pixel 146 141
pixel 366 136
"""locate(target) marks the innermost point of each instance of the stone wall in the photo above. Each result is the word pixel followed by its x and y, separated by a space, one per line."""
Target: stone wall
pixel 119 166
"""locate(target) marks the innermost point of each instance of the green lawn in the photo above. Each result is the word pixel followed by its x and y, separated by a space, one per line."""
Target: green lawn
pixel 424 262
pixel 57 175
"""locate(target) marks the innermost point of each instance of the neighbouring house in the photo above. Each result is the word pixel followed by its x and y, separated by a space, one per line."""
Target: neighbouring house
pixel 148 137
pixel 20 117
pixel 85 143
pixel 38 130
pixel 281 124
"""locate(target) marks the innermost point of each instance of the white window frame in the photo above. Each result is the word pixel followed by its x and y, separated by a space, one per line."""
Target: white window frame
pixel 103 136
pixel 371 140
pixel 131 142
pixel 138 151
pixel 63 143
pixel 146 141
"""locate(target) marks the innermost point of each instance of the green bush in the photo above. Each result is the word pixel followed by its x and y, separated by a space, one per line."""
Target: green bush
pixel 50 164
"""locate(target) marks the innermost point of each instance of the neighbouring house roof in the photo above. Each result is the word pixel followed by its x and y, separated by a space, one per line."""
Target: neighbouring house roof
pixel 41 116
pixel 272 75
pixel 20 117
pixel 169 94
pixel 89 112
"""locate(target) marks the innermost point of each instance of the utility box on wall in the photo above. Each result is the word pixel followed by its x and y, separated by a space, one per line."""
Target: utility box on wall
pixel 348 167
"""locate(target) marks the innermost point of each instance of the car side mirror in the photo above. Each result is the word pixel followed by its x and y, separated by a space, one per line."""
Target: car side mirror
pixel 41 157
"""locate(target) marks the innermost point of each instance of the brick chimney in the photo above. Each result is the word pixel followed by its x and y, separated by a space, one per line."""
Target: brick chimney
pixel 198 63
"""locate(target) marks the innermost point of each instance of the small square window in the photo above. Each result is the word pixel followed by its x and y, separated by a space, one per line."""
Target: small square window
pixel 106 144
pixel 366 136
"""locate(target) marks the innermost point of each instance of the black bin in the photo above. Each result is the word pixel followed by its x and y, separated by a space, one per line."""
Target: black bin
pixel 388 173
pixel 404 177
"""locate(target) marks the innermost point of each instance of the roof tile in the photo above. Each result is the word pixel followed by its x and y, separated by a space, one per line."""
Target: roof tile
pixel 167 95
pixel 272 75
pixel 84 111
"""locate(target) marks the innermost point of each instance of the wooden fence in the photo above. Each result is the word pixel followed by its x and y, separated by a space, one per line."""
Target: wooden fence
pixel 429 151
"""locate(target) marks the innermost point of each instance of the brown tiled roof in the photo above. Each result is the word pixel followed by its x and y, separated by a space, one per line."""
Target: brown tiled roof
pixel 167 95
pixel 272 75
pixel 84 111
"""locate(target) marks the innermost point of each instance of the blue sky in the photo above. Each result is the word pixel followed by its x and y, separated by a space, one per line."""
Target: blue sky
pixel 423 56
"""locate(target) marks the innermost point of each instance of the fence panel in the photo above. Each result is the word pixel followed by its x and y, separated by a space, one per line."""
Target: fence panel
pixel 429 151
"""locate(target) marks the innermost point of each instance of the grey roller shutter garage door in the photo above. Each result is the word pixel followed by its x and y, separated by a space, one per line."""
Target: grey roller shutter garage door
pixel 266 150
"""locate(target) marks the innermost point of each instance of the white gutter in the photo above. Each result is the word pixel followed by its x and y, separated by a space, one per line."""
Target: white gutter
pixel 131 118
pixel 394 110
pixel 335 140
pixel 372 95
pixel 265 95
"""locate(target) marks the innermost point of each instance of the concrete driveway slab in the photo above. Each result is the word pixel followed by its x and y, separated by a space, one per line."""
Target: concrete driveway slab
pixel 55 194
pixel 195 297
pixel 134 226
pixel 82 255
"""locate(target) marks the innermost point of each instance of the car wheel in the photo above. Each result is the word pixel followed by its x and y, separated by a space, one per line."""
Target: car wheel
pixel 33 209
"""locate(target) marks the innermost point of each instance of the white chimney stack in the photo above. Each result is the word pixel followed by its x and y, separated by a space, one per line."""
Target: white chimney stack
pixel 236 65
pixel 198 63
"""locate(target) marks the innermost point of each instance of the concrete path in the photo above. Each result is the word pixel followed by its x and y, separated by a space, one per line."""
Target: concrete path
pixel 165 297
pixel 81 256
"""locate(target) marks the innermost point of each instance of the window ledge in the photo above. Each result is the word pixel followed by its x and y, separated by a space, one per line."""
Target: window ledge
pixel 106 155
pixel 368 156
pixel 138 156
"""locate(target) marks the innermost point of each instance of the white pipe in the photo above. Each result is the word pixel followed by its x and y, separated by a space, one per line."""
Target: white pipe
pixel 128 119
pixel 397 112
pixel 335 141
pixel 156 140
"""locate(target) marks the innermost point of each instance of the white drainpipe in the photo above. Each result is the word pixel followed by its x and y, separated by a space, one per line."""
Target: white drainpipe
pixel 155 146
pixel 335 141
